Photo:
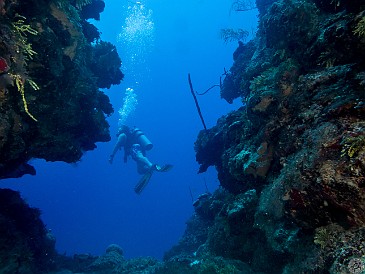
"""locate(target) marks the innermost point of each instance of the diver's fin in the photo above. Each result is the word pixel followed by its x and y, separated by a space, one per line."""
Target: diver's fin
pixel 143 182
pixel 164 168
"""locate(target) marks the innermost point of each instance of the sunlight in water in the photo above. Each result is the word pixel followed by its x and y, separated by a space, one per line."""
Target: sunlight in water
pixel 136 38
pixel 136 41
pixel 129 106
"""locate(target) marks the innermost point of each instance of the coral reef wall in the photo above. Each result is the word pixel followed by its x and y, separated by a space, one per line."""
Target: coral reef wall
pixel 52 64
pixel 291 161
pixel 26 245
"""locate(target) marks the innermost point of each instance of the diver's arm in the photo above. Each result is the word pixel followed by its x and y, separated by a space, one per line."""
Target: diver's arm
pixel 121 142
pixel 115 150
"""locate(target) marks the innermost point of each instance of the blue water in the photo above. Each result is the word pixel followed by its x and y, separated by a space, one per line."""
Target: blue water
pixel 91 204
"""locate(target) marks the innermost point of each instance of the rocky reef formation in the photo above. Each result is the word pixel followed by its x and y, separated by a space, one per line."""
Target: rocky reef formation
pixel 110 262
pixel 26 245
pixel 291 161
pixel 52 64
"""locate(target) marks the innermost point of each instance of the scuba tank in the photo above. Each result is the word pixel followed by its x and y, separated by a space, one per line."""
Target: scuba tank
pixel 142 139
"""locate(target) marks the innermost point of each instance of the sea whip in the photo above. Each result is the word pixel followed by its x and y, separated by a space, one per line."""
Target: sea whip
pixel 196 101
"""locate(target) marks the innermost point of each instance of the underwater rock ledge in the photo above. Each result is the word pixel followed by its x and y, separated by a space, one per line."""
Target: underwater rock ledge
pixel 52 64
pixel 298 143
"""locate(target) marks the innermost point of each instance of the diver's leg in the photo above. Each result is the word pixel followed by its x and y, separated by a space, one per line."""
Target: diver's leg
pixel 163 168
pixel 143 164
pixel 143 182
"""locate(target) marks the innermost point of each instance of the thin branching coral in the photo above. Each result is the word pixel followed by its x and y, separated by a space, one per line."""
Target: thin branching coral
pixel 21 30
pixel 20 83
pixel 229 35
pixel 360 28
pixel 243 5
pixel 81 3
pixel 352 145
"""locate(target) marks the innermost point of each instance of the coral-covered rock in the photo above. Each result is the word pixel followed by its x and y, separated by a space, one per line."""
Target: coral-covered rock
pixel 92 9
pixel 232 86
pixel 203 265
pixel 110 261
pixel 106 64
pixel 51 106
pixel 26 245
pixel 299 142
pixel 195 236
pixel 114 248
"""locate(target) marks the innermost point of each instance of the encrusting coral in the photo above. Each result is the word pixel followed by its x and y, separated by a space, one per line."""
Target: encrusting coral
pixel 51 82
pixel 298 142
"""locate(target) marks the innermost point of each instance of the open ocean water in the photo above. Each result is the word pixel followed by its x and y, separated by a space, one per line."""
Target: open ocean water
pixel 92 204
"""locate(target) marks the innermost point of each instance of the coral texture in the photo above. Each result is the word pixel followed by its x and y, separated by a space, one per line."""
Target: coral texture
pixel 298 143
pixel 50 74
pixel 26 245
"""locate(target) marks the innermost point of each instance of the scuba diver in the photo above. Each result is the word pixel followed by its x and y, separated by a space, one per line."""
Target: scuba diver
pixel 136 144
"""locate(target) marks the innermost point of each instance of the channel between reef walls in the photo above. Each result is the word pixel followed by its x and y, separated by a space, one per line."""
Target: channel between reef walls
pixel 290 161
